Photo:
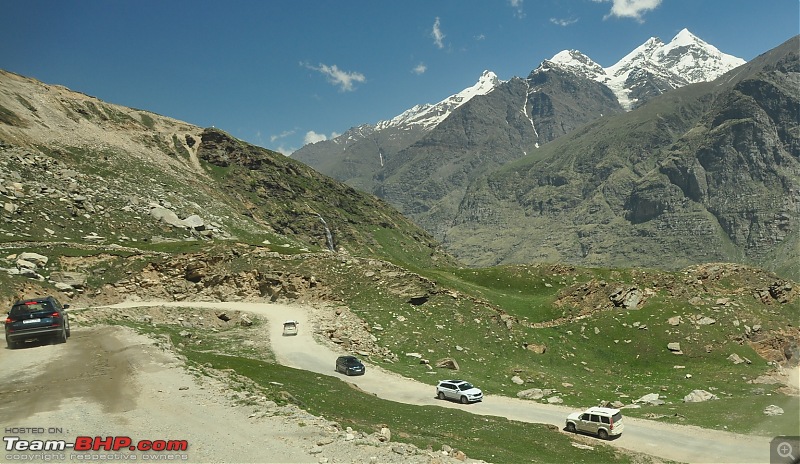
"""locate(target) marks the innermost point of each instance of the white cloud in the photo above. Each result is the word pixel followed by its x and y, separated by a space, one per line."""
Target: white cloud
pixel 284 134
pixel 437 34
pixel 517 6
pixel 344 79
pixel 631 8
pixel 420 69
pixel 313 137
pixel 285 150
pixel 563 22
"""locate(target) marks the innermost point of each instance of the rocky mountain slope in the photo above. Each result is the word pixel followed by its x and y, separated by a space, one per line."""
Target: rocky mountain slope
pixel 703 173
pixel 356 156
pixel 426 172
pixel 75 168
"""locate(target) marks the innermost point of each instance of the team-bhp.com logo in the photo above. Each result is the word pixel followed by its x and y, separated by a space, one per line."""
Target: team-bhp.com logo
pixel 95 444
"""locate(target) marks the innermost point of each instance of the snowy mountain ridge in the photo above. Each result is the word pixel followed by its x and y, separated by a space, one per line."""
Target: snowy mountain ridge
pixel 686 59
pixel 429 115
pixel 648 71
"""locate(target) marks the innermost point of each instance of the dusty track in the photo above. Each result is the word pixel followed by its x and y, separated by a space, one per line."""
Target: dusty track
pixel 108 381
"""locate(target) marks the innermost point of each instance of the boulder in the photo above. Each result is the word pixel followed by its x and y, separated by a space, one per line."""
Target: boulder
pixel 698 396
pixel 35 258
pixel 735 358
pixel 195 222
pixel 773 410
pixel 167 216
pixel 531 394
pixel 538 349
pixel 73 279
pixel 24 264
pixel 447 363
pixel 628 298
pixel 650 398
pixel 705 320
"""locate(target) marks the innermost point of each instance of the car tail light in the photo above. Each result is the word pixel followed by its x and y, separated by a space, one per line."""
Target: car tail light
pixel 611 426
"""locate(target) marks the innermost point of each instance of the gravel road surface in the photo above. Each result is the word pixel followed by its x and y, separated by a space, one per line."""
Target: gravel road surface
pixel 108 381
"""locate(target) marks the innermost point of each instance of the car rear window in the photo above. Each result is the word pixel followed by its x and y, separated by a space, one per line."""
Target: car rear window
pixel 31 307
pixel 617 417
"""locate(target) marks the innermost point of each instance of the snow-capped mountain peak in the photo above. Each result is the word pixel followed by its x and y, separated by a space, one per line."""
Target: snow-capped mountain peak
pixel 429 115
pixel 686 59
pixel 578 63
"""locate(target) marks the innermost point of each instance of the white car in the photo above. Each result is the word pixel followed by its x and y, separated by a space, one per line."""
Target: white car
pixel 290 327
pixel 458 390
pixel 603 422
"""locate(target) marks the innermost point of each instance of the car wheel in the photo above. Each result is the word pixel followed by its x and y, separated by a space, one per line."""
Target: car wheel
pixel 602 434
pixel 440 395
pixel 12 345
pixel 571 427
pixel 62 336
pixel 68 331
pixel 464 400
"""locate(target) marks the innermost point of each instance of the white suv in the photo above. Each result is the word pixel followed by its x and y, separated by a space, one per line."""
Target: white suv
pixel 458 390
pixel 603 422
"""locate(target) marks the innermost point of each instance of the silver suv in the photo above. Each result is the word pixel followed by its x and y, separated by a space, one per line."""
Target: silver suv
pixel 458 390
pixel 603 422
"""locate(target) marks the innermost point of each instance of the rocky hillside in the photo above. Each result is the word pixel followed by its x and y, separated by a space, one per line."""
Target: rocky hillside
pixel 359 154
pixel 425 170
pixel 427 180
pixel 77 169
pixel 708 172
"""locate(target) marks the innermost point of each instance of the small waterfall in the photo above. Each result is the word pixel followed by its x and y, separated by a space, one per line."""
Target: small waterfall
pixel 380 153
pixel 327 233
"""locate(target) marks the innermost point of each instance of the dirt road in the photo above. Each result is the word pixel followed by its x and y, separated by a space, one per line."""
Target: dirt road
pixel 107 381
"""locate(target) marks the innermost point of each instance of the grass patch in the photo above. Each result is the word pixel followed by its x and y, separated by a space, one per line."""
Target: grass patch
pixel 147 120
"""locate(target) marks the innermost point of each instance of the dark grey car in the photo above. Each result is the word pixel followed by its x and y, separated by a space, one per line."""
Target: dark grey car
pixel 37 318
pixel 350 365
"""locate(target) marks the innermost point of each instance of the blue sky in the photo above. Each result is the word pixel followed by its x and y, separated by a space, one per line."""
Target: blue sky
pixel 280 73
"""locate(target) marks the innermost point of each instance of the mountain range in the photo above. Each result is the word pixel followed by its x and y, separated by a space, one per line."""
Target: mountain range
pixel 616 201
pixel 649 70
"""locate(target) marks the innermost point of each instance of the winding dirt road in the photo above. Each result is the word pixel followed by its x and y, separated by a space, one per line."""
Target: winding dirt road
pixel 102 383
pixel 671 442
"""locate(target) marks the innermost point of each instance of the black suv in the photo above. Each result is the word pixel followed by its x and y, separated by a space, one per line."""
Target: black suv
pixel 37 318
pixel 349 365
